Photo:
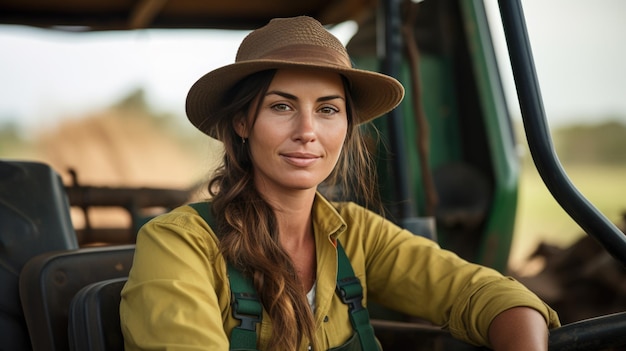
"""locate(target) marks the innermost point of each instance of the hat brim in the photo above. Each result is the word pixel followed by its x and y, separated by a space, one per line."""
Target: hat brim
pixel 373 94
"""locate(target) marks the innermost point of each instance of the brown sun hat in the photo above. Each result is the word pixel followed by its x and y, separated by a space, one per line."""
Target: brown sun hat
pixel 292 42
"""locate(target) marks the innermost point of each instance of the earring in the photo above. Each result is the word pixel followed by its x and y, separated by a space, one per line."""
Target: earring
pixel 243 140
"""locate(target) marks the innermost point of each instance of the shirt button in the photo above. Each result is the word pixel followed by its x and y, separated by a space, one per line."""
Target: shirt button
pixel 325 319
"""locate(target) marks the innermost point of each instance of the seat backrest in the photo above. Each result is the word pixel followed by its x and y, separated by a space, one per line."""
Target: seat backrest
pixel 94 319
pixel 34 218
pixel 49 282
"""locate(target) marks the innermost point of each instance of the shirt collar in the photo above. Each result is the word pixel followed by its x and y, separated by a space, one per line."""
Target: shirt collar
pixel 326 220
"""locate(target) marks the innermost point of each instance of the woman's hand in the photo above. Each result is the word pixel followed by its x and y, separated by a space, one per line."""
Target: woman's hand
pixel 519 328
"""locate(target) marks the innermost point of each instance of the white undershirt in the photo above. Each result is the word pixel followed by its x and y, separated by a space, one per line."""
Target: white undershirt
pixel 311 296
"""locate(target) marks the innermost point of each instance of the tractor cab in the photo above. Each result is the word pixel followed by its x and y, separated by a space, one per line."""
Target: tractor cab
pixel 447 165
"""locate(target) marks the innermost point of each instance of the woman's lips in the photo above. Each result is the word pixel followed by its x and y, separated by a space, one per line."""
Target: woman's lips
pixel 300 159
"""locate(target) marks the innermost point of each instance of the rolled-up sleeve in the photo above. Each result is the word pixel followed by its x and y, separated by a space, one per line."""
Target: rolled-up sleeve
pixel 412 274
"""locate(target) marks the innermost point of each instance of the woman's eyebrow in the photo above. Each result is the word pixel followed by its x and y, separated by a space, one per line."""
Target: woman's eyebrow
pixel 283 94
pixel 295 98
pixel 330 97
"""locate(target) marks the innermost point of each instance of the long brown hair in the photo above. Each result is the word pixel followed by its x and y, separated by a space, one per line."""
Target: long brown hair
pixel 248 226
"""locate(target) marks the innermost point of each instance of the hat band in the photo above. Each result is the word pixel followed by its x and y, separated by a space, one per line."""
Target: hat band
pixel 308 54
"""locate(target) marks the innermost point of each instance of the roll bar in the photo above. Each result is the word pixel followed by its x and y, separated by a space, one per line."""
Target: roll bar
pixel 593 222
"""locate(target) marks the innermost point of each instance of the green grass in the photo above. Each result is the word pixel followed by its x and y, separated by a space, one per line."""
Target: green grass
pixel 541 219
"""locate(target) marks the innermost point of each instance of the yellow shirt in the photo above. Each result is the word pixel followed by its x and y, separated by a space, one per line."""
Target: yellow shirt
pixel 178 297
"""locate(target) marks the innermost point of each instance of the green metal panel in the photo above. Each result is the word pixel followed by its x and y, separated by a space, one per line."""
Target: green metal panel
pixel 498 233
pixel 468 124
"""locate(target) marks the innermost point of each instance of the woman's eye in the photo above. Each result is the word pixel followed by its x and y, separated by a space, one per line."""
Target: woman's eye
pixel 328 110
pixel 281 107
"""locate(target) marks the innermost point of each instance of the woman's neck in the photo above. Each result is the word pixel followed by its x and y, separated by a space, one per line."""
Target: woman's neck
pixel 295 226
pixel 294 219
pixel 293 213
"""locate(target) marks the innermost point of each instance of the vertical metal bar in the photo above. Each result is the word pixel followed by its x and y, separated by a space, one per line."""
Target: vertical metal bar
pixel 405 211
pixel 392 60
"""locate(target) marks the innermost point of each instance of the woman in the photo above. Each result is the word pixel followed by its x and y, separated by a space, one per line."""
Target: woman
pixel 288 112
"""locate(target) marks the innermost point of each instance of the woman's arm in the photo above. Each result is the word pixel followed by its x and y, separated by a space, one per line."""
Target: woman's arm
pixel 414 275
pixel 172 297
pixel 519 328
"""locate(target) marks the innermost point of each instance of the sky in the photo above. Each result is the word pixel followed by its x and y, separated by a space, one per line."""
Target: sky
pixel 578 45
pixel 579 49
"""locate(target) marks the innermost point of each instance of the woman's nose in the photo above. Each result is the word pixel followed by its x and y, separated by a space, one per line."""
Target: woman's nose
pixel 305 127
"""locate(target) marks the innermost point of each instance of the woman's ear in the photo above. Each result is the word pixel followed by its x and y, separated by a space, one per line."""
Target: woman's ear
pixel 239 124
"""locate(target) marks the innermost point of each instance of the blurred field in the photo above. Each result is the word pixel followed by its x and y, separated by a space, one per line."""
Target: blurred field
pixel 123 146
pixel 541 219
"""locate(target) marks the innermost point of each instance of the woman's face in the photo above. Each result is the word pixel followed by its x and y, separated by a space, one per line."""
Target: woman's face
pixel 297 136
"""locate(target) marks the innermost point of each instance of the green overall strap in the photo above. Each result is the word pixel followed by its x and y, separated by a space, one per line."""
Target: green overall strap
pixel 244 301
pixel 247 308
pixel 350 291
